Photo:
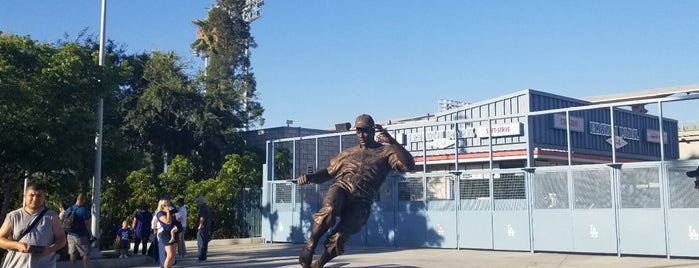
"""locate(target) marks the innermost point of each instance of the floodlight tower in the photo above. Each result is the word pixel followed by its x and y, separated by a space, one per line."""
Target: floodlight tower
pixel 251 12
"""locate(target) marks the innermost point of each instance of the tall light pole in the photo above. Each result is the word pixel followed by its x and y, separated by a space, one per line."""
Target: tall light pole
pixel 251 12
pixel 96 179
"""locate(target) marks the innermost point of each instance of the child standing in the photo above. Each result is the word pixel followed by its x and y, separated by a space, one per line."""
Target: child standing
pixel 124 237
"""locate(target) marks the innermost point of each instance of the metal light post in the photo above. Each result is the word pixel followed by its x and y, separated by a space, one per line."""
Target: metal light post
pixel 251 12
pixel 96 179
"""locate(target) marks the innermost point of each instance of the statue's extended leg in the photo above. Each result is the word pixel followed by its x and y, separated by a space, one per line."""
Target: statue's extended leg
pixel 351 222
pixel 322 221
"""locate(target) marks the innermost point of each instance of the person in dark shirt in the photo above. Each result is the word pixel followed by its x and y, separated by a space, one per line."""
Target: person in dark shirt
pixel 203 228
pixel 142 229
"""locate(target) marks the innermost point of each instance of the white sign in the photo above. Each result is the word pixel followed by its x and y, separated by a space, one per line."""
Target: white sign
pixel 440 134
pixel 577 124
pixel 503 130
pixel 604 129
pixel 441 143
pixel 653 135
pixel 618 142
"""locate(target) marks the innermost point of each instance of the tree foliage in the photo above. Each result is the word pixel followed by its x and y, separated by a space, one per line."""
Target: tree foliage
pixel 47 114
pixel 154 113
pixel 224 38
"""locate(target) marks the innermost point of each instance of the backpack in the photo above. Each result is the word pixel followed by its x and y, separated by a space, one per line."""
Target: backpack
pixel 70 221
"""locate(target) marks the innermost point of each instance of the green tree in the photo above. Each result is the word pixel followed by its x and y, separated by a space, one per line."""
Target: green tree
pixel 48 96
pixel 224 38
pixel 166 115
pixel 179 175
pixel 143 188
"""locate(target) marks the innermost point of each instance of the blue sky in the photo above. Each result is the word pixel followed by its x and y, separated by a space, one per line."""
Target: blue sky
pixel 319 63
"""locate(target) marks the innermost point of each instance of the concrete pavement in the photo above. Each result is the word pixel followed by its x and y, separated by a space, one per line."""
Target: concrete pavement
pixel 232 253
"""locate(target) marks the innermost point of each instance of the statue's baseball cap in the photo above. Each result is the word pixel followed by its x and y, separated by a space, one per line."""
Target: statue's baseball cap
pixel 364 121
pixel 693 173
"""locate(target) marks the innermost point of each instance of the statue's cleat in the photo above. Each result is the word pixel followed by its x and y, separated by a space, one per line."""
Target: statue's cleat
pixel 316 264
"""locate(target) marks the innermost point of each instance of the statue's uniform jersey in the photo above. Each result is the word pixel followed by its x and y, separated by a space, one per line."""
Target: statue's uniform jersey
pixel 361 171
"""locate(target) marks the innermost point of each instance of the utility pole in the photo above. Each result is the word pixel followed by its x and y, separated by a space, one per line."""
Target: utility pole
pixel 97 178
pixel 251 12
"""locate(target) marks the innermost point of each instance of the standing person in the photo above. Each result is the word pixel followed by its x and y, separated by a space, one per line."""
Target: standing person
pixel 182 217
pixel 141 226
pixel 203 228
pixel 359 173
pixel 156 248
pixel 79 239
pixel 694 174
pixel 33 233
pixel 124 237
pixel 62 211
pixel 165 218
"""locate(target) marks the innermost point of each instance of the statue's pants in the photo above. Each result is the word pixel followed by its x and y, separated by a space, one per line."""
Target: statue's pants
pixel 353 213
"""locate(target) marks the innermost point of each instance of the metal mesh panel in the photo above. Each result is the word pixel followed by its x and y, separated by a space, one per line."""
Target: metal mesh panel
pixel 550 190
pixel 475 205
pixel 440 193
pixel 385 196
pixel 306 194
pixel 327 149
pixel 410 189
pixel 592 189
pixel 474 194
pixel 286 173
pixel 474 189
pixel 509 186
pixel 305 157
pixel 509 191
pixel 640 188
pixel 349 141
pixel 440 188
pixel 681 188
pixel 282 193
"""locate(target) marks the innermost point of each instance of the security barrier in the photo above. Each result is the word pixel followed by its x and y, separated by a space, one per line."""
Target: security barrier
pixel 644 208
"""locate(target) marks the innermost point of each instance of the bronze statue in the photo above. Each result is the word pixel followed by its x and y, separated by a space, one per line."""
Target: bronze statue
pixel 359 172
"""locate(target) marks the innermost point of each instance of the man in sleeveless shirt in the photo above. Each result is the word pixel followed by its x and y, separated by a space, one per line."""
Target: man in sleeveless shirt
pixel 37 248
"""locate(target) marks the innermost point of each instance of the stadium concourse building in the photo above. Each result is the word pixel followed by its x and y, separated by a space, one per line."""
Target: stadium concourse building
pixel 529 171
pixel 507 132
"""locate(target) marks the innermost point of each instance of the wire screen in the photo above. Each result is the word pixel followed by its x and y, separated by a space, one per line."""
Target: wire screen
pixel 282 193
pixel 306 194
pixel 681 188
pixel 474 194
pixel 440 193
pixel 592 189
pixel 509 192
pixel 550 189
pixel 411 189
pixel 639 187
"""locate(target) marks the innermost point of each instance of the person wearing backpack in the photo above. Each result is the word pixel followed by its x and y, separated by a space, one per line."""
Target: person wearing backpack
pixel 77 220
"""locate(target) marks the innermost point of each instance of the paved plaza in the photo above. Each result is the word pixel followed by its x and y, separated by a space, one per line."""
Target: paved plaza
pixel 225 253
